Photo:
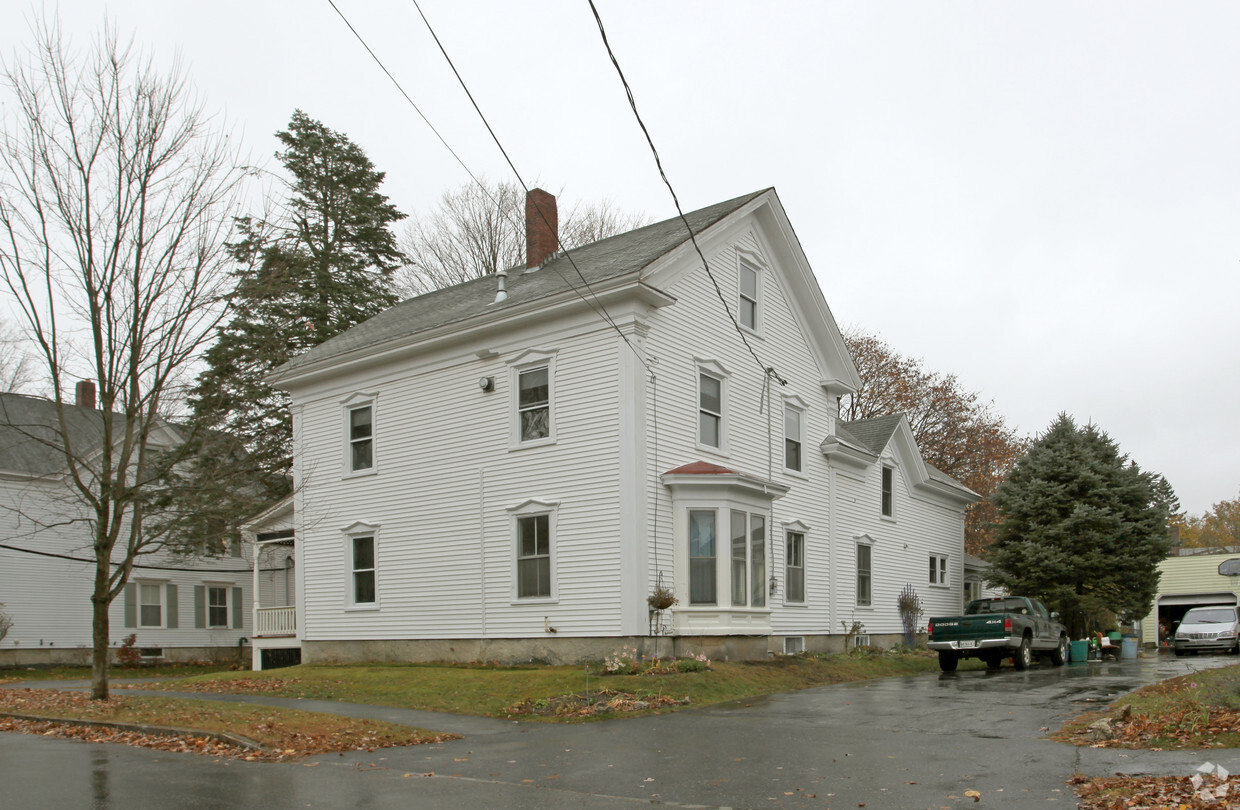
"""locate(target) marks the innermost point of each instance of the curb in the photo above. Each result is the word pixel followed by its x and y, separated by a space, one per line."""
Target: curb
pixel 218 736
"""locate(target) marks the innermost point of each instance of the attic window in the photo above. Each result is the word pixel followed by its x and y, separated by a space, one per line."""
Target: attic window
pixel 888 492
pixel 748 303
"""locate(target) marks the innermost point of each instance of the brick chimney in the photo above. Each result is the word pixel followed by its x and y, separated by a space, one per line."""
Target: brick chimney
pixel 542 227
pixel 85 393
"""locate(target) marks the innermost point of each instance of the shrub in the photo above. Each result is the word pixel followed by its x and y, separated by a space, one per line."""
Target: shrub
pixel 129 655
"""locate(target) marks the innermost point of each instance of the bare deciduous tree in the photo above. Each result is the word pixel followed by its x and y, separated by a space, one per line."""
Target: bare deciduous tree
pixel 115 204
pixel 955 430
pixel 476 230
pixel 16 364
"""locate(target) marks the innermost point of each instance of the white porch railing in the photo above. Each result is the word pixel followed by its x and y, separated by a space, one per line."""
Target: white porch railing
pixel 276 621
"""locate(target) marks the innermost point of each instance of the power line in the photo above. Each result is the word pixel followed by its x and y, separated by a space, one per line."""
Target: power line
pixel 628 91
pixel 138 565
pixel 601 310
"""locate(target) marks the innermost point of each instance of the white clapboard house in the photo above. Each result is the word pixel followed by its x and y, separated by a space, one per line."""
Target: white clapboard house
pixel 177 607
pixel 508 468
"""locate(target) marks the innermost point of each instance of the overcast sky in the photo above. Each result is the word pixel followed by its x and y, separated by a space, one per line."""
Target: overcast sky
pixel 1042 198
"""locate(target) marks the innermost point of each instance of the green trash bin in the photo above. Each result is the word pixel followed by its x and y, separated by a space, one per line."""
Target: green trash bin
pixel 1078 651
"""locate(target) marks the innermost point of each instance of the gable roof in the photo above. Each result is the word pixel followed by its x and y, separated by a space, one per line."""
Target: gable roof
pixel 872 434
pixel 30 438
pixel 625 254
pixel 876 433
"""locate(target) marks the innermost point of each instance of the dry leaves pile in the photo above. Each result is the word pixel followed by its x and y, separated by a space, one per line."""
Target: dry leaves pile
pixel 281 734
pixel 1206 790
pixel 605 701
pixel 248 686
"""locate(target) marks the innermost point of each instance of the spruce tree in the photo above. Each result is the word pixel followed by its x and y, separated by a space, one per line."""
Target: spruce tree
pixel 1081 527
pixel 323 266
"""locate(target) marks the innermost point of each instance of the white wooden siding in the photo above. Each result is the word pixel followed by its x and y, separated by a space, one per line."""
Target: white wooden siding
pixel 48 598
pixel 445 480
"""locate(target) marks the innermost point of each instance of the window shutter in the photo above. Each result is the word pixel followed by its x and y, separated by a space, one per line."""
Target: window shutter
pixel 200 606
pixel 131 605
pixel 237 615
pixel 172 605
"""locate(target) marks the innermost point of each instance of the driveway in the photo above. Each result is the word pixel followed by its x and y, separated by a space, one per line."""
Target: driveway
pixel 915 742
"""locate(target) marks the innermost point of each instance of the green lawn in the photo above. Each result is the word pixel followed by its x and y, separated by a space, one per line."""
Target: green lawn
pixel 494 691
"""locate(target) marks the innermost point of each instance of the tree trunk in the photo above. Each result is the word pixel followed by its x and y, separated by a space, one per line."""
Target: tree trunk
pixel 100 632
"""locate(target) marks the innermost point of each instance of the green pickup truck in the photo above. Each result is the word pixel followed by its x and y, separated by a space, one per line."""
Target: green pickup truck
pixel 1015 627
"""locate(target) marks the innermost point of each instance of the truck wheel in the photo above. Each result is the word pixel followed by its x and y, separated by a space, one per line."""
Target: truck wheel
pixel 948 661
pixel 994 662
pixel 1060 656
pixel 1024 654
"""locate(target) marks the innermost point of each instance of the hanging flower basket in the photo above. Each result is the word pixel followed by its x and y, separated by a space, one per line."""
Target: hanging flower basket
pixel 661 599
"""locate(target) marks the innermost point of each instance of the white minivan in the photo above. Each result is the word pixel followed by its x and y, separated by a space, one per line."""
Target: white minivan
pixel 1216 627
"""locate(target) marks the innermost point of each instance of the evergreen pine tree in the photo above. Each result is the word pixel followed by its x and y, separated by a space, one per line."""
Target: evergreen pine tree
pixel 323 266
pixel 1081 527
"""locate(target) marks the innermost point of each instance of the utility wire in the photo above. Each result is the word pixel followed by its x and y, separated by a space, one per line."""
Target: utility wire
pixel 138 565
pixel 769 371
pixel 596 306
pixel 600 309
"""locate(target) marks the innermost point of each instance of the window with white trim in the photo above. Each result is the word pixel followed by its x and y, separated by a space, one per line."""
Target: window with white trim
pixel 794 567
pixel 864 574
pixel 747 301
pixel 794 422
pixel 938 569
pixel 217 606
pixel 702 545
pixel 748 570
pixel 710 410
pixel 361 546
pixel 361 438
pixel 534 556
pixel 150 605
pixel 887 496
pixel 533 398
pixel 534 403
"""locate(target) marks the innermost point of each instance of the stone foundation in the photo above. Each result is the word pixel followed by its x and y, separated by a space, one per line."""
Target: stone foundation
pixel 553 650
pixel 41 657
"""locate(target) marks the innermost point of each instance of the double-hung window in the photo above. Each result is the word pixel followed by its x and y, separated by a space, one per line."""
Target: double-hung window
pixel 217 606
pixel 533 398
pixel 794 419
pixel 702 557
pixel 747 304
pixel 361 438
pixel 794 567
pixel 938 569
pixel 534 556
pixel 534 403
pixel 864 574
pixel 150 605
pixel 362 588
pixel 748 559
pixel 710 410
pixel 887 496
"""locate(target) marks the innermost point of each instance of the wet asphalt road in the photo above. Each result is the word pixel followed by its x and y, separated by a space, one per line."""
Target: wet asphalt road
pixel 916 742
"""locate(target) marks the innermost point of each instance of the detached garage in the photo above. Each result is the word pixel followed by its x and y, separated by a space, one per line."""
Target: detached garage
pixel 1191 578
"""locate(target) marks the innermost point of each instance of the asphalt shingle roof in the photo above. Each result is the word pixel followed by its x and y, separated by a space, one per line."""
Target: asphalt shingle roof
pixel 30 440
pixel 615 256
pixel 873 434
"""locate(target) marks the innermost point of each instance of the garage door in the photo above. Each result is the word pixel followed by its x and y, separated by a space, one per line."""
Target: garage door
pixel 1220 598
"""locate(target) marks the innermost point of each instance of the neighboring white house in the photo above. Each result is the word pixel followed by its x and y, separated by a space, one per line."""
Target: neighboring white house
pixel 178 608
pixel 507 468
